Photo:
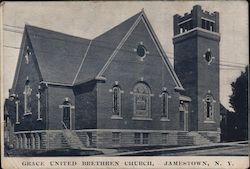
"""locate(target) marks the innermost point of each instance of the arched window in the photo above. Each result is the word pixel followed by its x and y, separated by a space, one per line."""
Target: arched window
pixel 142 101
pixel 209 107
pixel 164 99
pixel 116 101
pixel 27 98
pixel 17 111
pixel 38 95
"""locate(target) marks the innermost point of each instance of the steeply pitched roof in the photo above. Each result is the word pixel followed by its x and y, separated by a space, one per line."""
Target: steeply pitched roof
pixel 58 55
pixel 71 60
pixel 102 48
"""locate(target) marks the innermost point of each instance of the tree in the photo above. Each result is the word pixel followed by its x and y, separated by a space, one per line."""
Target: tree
pixel 239 102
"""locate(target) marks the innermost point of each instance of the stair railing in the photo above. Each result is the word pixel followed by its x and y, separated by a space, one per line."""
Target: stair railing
pixel 64 125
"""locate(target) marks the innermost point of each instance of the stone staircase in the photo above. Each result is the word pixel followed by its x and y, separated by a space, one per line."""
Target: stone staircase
pixel 72 140
pixel 198 139
pixel 184 139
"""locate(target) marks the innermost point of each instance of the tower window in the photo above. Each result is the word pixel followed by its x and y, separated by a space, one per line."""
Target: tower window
pixel 208 56
pixel 203 24
pixel 209 107
pixel 186 25
pixel 207 24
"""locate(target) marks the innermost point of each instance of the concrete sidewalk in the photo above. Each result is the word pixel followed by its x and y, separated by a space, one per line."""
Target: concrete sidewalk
pixel 175 149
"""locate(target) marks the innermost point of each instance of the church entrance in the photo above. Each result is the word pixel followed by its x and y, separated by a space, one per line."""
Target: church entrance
pixel 184 120
pixel 67 117
pixel 184 116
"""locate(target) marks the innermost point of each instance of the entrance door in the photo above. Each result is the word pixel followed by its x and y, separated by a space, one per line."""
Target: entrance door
pixel 184 120
pixel 67 117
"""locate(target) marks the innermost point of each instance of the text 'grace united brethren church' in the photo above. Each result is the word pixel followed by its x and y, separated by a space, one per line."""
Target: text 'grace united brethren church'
pixel 118 89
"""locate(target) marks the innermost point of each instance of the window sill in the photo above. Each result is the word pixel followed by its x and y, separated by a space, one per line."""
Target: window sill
pixel 26 114
pixel 142 118
pixel 209 121
pixel 39 119
pixel 164 119
pixel 116 117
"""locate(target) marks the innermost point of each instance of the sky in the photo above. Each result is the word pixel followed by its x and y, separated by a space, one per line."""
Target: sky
pixel 90 19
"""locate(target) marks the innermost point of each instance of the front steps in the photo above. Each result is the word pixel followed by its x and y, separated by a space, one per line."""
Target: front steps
pixel 72 140
pixel 184 139
pixel 198 139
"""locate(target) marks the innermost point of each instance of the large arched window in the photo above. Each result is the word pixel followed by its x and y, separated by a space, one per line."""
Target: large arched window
pixel 116 100
pixel 209 107
pixel 142 101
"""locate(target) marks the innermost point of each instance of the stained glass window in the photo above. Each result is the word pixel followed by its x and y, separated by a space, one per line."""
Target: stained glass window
pixel 141 100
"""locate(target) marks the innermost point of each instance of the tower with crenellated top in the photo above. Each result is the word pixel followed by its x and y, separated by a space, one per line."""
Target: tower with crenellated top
pixel 196 62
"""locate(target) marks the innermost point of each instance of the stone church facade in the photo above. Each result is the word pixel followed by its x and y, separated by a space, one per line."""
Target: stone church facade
pixel 118 89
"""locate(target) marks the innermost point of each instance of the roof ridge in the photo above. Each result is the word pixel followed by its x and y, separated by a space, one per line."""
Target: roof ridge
pixel 164 55
pixel 31 27
pixel 120 45
pixel 138 13
pixel 65 51
pixel 108 42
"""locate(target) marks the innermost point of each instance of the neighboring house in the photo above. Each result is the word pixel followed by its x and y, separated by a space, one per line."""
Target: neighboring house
pixel 118 89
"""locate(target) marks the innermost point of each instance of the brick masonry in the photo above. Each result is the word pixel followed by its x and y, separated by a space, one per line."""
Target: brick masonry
pixel 91 117
pixel 197 76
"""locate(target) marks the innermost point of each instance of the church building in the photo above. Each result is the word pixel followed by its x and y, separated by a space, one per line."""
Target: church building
pixel 118 89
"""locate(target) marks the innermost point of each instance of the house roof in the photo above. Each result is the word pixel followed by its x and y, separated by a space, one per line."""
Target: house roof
pixel 69 60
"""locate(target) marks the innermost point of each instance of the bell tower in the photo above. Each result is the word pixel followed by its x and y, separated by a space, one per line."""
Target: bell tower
pixel 196 62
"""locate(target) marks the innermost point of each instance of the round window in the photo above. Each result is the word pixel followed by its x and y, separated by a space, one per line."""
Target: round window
pixel 141 51
pixel 208 56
